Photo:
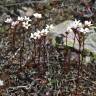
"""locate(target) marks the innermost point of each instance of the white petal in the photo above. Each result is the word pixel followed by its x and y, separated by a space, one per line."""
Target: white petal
pixel 46 30
pixel 1 82
pixel 38 31
pixel 80 25
pixel 76 24
pixel 69 29
pixel 27 19
pixel 51 26
pixel 42 31
pixel 87 30
pixel 37 15
pixel 87 59
pixel 47 26
pixel 87 23
pixel 35 34
pixel 32 35
pixel 35 37
pixel 8 20
pixel 26 25
pixel 38 36
pixel 14 23
pixel 20 18
pixel 81 29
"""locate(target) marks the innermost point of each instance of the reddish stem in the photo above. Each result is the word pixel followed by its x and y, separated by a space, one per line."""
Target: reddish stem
pixel 79 64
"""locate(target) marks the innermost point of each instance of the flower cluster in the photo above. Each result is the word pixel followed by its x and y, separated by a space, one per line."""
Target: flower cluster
pixel 24 20
pixel 80 27
pixel 43 32
pixel 37 15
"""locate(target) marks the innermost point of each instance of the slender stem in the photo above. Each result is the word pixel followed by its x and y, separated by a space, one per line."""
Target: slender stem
pixel 33 56
pixel 79 64
pixel 44 49
pixel 65 55
pixel 21 57
pixel 39 50
pixel 74 40
pixel 66 39
pixel 83 42
pixel 13 39
pixel 23 39
pixel 34 51
pixel 82 52
pixel 21 50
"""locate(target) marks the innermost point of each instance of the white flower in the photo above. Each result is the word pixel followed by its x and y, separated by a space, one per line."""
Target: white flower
pixel 37 15
pixel 49 27
pixel 77 21
pixel 32 35
pixel 87 23
pixel 26 25
pixel 42 32
pixel 37 35
pixel 87 59
pixel 69 29
pixel 46 31
pixel 81 29
pixel 47 93
pixel 80 25
pixel 86 30
pixel 76 24
pixel 38 31
pixel 14 23
pixel 27 19
pixel 8 20
pixel 1 82
pixel 20 18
